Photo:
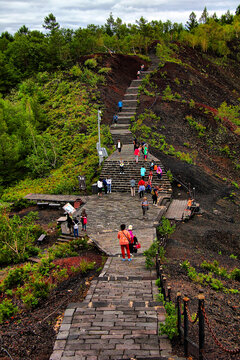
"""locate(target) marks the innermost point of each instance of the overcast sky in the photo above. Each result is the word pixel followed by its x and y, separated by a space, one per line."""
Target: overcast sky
pixel 79 13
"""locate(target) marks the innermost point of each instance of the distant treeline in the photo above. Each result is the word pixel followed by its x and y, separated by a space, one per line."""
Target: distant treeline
pixel 27 52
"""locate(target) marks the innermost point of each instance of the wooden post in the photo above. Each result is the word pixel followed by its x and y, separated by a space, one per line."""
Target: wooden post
pixel 160 276
pixel 201 299
pixel 185 301
pixel 179 315
pixel 169 293
pixel 164 287
pixel 157 267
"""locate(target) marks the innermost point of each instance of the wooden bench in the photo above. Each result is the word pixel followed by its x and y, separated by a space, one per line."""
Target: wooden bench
pixel 41 239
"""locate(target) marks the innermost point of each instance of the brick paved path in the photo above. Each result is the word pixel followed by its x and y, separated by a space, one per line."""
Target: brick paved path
pixel 119 318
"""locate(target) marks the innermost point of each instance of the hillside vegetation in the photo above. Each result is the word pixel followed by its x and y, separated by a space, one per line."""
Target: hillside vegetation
pixel 51 94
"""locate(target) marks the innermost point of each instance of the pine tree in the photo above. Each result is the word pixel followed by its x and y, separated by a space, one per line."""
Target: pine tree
pixel 192 22
pixel 204 17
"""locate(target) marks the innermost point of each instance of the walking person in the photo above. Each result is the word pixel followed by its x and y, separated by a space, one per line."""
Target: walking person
pixel 120 106
pixel 138 74
pixel 143 172
pixel 121 166
pixel 149 186
pixel 124 239
pixel 151 167
pixel 115 119
pixel 159 172
pixel 105 185
pixel 141 188
pixel 132 184
pixel 70 223
pixel 84 220
pixel 150 176
pixel 75 227
pixel 145 205
pixel 100 187
pixel 119 145
pixel 136 153
pixel 154 193
pixel 109 184
pixel 131 241
pixel 145 152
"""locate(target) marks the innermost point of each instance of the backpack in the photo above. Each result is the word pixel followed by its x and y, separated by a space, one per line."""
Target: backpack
pixel 152 192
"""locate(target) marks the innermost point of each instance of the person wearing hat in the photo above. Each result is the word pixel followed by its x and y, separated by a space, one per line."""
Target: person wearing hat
pixel 131 242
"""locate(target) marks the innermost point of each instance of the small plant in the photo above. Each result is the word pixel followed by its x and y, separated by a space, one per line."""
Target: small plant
pixel 7 309
pixel 104 70
pixel 150 255
pixel 91 63
pixel 170 326
pixel 170 176
pixel 232 256
pixel 85 266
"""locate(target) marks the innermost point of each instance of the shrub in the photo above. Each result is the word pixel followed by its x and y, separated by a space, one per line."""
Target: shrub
pixel 91 63
pixel 7 309
pixel 235 274
pixel 170 326
pixel 104 70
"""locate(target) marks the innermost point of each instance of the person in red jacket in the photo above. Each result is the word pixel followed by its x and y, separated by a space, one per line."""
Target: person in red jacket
pixel 136 153
pixel 124 239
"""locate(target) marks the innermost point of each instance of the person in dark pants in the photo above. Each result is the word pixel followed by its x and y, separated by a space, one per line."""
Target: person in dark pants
pixel 119 145
pixel 105 185
pixel 70 223
pixel 145 205
pixel 120 106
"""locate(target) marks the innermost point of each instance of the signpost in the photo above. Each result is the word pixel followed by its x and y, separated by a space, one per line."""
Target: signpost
pixel 102 152
pixel 82 182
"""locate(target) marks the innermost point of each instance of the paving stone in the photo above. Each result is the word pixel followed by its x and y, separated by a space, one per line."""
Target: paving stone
pixel 56 355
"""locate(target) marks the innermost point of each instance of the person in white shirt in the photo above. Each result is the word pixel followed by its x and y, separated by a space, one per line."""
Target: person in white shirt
pixel 109 185
pixel 100 186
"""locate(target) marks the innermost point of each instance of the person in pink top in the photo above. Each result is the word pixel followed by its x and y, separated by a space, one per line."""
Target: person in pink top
pixel 159 172
pixel 132 240
pixel 136 153
pixel 124 239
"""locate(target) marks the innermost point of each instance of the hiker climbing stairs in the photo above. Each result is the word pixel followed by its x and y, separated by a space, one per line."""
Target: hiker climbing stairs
pixel 121 182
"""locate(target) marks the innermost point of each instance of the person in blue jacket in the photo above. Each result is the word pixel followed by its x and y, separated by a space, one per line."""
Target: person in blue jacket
pixel 120 106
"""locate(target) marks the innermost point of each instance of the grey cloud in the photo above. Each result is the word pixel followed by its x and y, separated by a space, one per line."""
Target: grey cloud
pixel 79 13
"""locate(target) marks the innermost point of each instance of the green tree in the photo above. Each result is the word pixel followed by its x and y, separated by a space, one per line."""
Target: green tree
pixel 109 26
pixel 16 236
pixel 192 22
pixel 204 17
pixel 237 12
pixel 50 23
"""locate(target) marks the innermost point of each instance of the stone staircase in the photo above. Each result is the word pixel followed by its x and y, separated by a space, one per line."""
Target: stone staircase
pixel 121 182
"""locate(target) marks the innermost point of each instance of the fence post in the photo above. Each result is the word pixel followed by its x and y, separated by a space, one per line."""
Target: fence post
pixel 201 299
pixel 164 287
pixel 157 266
pixel 169 293
pixel 160 276
pixel 179 313
pixel 185 301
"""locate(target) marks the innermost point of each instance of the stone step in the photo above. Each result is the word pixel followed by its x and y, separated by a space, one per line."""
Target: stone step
pixel 119 126
pixel 132 90
pixel 136 83
pixel 130 97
